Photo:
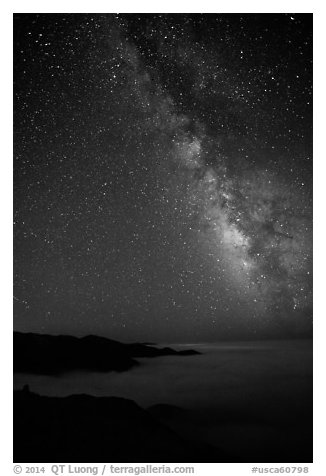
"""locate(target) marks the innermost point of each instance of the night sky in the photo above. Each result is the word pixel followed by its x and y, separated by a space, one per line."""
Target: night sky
pixel 163 175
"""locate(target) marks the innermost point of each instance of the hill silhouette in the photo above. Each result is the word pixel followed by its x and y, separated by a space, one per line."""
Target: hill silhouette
pixel 49 355
pixel 83 428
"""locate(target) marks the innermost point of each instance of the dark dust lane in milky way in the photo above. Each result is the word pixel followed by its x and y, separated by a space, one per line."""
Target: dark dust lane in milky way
pixel 163 194
pixel 163 175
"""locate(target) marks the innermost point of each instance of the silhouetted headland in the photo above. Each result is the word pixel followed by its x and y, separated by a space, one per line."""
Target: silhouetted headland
pixel 49 355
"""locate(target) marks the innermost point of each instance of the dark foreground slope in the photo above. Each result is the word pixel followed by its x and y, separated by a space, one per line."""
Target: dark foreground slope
pixel 50 355
pixel 82 428
pixel 275 437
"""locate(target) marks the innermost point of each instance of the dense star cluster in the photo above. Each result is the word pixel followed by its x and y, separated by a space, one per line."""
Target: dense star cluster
pixel 163 175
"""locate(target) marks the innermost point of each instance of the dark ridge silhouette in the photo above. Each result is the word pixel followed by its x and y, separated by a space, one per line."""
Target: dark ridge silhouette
pixel 161 410
pixel 83 428
pixel 50 355
pixel 271 425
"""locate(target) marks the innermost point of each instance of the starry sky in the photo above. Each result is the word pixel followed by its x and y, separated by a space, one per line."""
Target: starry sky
pixel 163 175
